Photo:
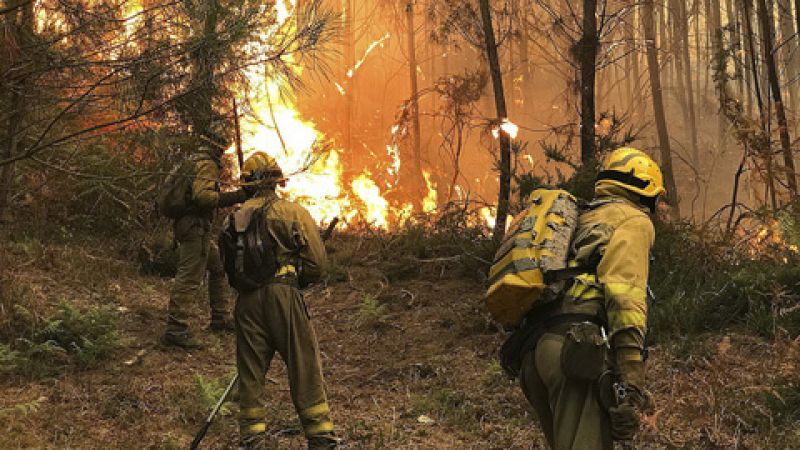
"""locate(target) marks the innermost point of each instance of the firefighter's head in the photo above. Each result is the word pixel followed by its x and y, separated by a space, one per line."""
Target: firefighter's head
pixel 634 171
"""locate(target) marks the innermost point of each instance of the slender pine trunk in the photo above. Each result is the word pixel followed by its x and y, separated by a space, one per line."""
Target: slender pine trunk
pixel 502 114
pixel 658 107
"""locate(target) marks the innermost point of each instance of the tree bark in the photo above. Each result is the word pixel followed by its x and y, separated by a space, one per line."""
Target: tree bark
pixel 789 51
pixel 500 105
pixel 349 76
pixel 20 24
pixel 766 153
pixel 768 45
pixel 412 66
pixel 658 107
pixel 687 67
pixel 587 55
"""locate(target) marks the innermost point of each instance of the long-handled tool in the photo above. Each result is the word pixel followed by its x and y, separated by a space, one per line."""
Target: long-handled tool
pixel 202 433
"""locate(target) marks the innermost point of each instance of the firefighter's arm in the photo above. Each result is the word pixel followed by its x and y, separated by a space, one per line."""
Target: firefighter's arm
pixel 312 253
pixel 205 192
pixel 623 272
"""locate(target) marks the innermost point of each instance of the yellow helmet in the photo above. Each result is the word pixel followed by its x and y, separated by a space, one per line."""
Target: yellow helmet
pixel 262 168
pixel 633 170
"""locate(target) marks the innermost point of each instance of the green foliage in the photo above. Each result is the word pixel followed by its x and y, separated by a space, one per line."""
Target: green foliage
pixel 83 338
pixel 702 285
pixel 371 312
pixel 210 390
pixel 452 406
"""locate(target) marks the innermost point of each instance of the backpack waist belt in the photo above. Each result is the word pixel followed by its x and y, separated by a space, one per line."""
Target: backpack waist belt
pixel 525 338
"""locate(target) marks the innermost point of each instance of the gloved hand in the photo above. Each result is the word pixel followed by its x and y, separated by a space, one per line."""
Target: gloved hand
pixel 231 198
pixel 625 417
pixel 624 422
pixel 250 190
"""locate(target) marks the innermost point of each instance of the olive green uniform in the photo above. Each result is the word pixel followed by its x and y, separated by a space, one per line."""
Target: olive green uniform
pixel 616 236
pixel 275 319
pixel 197 253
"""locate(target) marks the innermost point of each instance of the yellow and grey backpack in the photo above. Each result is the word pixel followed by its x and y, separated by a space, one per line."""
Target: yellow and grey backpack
pixel 535 247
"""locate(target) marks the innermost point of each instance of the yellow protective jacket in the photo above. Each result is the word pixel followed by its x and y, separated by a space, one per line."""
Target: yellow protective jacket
pixel 205 193
pixel 296 235
pixel 615 236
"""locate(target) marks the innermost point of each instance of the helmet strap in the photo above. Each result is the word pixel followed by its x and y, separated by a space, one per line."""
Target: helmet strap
pixel 623 177
pixel 649 202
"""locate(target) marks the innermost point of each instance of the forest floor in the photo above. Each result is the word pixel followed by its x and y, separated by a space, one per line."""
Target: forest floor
pixel 409 358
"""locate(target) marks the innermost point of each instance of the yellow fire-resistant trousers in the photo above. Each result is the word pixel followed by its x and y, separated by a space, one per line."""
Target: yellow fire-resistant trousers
pixel 197 253
pixel 569 411
pixel 275 319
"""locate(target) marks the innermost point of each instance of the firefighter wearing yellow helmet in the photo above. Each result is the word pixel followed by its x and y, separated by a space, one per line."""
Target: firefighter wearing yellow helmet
pixel 273 317
pixel 580 404
pixel 197 252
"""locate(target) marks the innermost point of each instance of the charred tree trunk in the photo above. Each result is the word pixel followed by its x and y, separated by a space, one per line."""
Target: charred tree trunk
pixel 412 72
pixel 766 153
pixel 20 26
pixel 658 106
pixel 587 56
pixel 768 46
pixel 502 114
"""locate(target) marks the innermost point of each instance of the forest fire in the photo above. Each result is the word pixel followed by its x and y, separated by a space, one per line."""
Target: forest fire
pixel 314 163
pixel 767 239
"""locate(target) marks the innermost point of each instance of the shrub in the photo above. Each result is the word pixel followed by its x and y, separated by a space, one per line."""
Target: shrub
pixel 71 336
pixel 371 313
pixel 704 285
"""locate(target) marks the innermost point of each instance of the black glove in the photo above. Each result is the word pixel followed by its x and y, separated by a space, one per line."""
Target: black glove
pixel 250 190
pixel 231 198
pixel 625 417
pixel 624 422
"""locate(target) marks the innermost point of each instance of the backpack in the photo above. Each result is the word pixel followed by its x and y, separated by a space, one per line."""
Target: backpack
pixel 247 249
pixel 174 199
pixel 534 250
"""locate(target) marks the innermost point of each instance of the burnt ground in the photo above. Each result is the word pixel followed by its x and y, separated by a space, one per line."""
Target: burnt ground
pixel 408 353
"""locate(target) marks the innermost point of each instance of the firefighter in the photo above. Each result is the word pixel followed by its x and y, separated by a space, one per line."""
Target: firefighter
pixel 197 252
pixel 584 407
pixel 274 318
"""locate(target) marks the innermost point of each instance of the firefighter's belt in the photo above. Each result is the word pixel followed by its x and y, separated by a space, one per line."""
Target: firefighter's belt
pixel 524 338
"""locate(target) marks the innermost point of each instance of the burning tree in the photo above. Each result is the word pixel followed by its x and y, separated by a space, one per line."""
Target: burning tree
pixel 106 66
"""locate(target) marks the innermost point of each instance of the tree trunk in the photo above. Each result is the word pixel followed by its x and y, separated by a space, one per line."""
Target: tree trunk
pixel 768 46
pixel 412 72
pixel 349 77
pixel 717 56
pixel 679 37
pixel 500 105
pixel 789 51
pixel 736 45
pixel 587 54
pixel 20 25
pixel 687 67
pixel 766 153
pixel 658 107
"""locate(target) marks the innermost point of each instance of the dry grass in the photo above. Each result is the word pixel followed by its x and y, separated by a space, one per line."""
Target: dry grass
pixel 430 352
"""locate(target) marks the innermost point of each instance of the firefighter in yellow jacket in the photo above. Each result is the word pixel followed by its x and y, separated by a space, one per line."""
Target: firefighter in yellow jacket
pixel 274 318
pixel 577 408
pixel 197 253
